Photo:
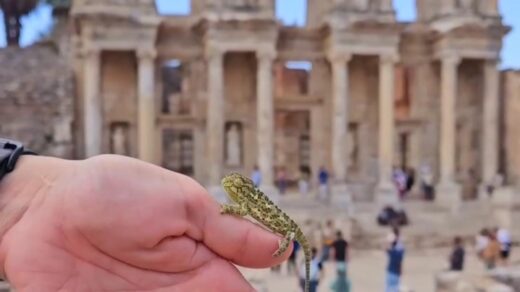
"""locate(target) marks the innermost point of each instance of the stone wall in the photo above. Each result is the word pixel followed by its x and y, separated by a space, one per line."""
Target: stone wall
pixel 36 99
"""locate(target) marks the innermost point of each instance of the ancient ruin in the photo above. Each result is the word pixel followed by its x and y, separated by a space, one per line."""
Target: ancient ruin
pixel 214 91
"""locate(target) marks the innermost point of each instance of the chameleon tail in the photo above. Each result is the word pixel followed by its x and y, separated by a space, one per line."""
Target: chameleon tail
pixel 308 257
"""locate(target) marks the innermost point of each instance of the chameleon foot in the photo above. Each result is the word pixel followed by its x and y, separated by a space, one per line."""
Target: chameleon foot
pixel 233 210
pixel 284 244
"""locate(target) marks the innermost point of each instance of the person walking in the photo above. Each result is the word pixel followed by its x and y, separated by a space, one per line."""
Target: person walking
pixel 256 176
pixel 303 182
pixel 327 239
pixel 504 238
pixel 281 178
pixel 395 253
pixel 323 179
pixel 491 253
pixel 457 255
pixel 340 256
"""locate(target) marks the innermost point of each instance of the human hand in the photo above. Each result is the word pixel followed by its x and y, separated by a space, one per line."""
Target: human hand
pixel 112 223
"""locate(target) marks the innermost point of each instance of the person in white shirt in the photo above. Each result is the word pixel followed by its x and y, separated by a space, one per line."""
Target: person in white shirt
pixel 504 238
pixel 481 241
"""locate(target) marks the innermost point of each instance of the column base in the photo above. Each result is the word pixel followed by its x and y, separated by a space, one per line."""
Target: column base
pixel 386 195
pixel 342 197
pixel 448 195
pixel 505 206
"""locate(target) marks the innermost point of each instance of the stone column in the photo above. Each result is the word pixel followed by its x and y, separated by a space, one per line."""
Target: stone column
pixel 490 123
pixel 340 99
pixel 340 111
pixel 386 191
pixel 265 116
pixel 215 116
pixel 146 127
pixel 92 103
pixel 448 191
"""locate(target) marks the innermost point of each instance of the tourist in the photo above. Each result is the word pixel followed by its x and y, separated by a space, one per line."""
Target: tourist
pixel 327 239
pixel 481 242
pixel 395 253
pixel 323 179
pixel 504 238
pixel 340 249
pixel 303 182
pixel 256 176
pixel 491 254
pixel 341 283
pixel 316 268
pixel 281 178
pixel 457 255
pixel 74 225
pixel 400 180
pixel 388 216
pixel 427 183
pixel 410 180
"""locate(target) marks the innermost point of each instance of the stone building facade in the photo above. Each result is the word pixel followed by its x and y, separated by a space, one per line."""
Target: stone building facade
pixel 212 92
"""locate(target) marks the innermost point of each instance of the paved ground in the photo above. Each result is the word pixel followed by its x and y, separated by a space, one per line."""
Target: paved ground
pixel 367 272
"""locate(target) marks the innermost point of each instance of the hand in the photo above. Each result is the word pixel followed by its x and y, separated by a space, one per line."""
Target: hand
pixel 112 223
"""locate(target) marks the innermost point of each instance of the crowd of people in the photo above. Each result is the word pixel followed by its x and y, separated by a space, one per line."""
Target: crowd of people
pixel 331 246
pixel 492 246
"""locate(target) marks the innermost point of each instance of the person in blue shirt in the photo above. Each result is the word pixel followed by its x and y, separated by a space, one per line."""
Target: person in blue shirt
pixel 395 254
pixel 323 178
pixel 256 176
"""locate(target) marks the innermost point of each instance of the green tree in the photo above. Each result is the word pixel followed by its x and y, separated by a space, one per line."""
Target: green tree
pixel 14 10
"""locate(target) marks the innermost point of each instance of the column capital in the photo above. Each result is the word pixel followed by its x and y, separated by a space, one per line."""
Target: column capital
pixel 265 55
pixel 493 62
pixel 451 58
pixel 88 52
pixel 388 58
pixel 336 57
pixel 214 52
pixel 146 53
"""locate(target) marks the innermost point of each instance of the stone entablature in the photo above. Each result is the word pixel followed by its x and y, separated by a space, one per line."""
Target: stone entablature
pixel 350 101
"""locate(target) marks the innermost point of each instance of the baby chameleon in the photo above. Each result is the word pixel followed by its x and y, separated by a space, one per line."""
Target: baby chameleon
pixel 249 200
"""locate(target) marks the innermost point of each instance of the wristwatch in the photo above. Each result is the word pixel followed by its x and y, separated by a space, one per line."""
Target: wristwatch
pixel 10 151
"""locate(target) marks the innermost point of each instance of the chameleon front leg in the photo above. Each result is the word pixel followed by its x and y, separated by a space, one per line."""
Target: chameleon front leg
pixel 283 244
pixel 236 210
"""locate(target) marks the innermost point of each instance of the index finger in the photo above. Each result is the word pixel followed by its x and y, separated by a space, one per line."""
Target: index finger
pixel 236 239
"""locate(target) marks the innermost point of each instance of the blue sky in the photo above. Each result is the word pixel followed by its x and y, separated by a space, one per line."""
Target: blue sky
pixel 291 12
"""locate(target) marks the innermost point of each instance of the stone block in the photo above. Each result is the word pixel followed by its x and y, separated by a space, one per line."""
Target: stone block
pixel 506 209
pixel 342 198
pixel 386 194
pixel 449 196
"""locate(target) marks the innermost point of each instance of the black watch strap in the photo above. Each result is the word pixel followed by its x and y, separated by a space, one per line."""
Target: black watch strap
pixel 10 151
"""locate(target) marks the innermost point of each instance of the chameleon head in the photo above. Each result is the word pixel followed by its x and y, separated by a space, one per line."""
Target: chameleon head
pixel 233 184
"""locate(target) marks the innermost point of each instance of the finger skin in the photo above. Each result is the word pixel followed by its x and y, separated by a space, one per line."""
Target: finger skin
pixel 237 239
